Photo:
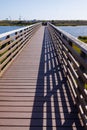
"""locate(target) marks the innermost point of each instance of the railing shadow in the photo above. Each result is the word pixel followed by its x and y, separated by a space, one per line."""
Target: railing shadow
pixel 53 105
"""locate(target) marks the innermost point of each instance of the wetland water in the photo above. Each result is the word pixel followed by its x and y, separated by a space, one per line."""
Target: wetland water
pixel 75 30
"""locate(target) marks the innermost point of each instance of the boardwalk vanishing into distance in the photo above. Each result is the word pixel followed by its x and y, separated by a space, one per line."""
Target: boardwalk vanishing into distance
pixel 34 92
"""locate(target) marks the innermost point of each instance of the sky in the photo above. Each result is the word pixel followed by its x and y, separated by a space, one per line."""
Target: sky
pixel 43 9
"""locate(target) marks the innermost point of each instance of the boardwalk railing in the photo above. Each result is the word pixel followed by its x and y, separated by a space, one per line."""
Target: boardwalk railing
pixel 73 57
pixel 11 43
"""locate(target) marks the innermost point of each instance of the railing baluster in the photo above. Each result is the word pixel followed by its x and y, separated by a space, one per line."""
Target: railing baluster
pixel 72 54
pixel 13 44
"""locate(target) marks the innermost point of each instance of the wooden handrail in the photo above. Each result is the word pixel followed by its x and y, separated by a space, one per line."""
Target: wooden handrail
pixel 13 42
pixel 72 55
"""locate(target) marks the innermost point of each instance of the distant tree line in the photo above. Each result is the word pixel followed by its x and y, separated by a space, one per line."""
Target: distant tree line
pixel 44 22
pixel 16 23
pixel 69 22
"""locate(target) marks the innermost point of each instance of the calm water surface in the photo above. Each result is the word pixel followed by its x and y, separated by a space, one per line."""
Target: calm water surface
pixel 4 29
pixel 75 30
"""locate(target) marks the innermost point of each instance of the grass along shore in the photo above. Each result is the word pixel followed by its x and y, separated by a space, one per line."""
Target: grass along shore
pixel 83 38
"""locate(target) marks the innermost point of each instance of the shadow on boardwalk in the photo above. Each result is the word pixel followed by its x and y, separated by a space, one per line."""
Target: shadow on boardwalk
pixel 53 107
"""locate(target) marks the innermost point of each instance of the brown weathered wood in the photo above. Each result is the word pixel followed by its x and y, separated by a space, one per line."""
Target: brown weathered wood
pixel 74 65
pixel 12 45
pixel 34 93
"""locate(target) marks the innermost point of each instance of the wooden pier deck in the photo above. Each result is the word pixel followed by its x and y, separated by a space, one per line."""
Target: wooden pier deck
pixel 34 94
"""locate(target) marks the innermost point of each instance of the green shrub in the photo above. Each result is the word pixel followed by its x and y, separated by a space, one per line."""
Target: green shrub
pixel 83 38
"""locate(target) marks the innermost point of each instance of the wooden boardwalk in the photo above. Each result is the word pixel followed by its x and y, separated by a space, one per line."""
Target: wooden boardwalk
pixel 34 94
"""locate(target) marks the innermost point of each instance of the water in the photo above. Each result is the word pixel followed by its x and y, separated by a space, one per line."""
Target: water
pixel 75 30
pixel 4 29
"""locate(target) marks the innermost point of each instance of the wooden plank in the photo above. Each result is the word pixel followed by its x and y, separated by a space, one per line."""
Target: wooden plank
pixel 34 92
pixel 73 66
pixel 29 109
pixel 26 123
pixel 14 128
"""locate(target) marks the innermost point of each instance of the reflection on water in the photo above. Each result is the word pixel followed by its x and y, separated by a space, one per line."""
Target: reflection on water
pixel 75 30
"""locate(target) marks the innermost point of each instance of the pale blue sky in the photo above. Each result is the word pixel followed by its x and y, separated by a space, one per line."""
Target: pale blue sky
pixel 44 9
